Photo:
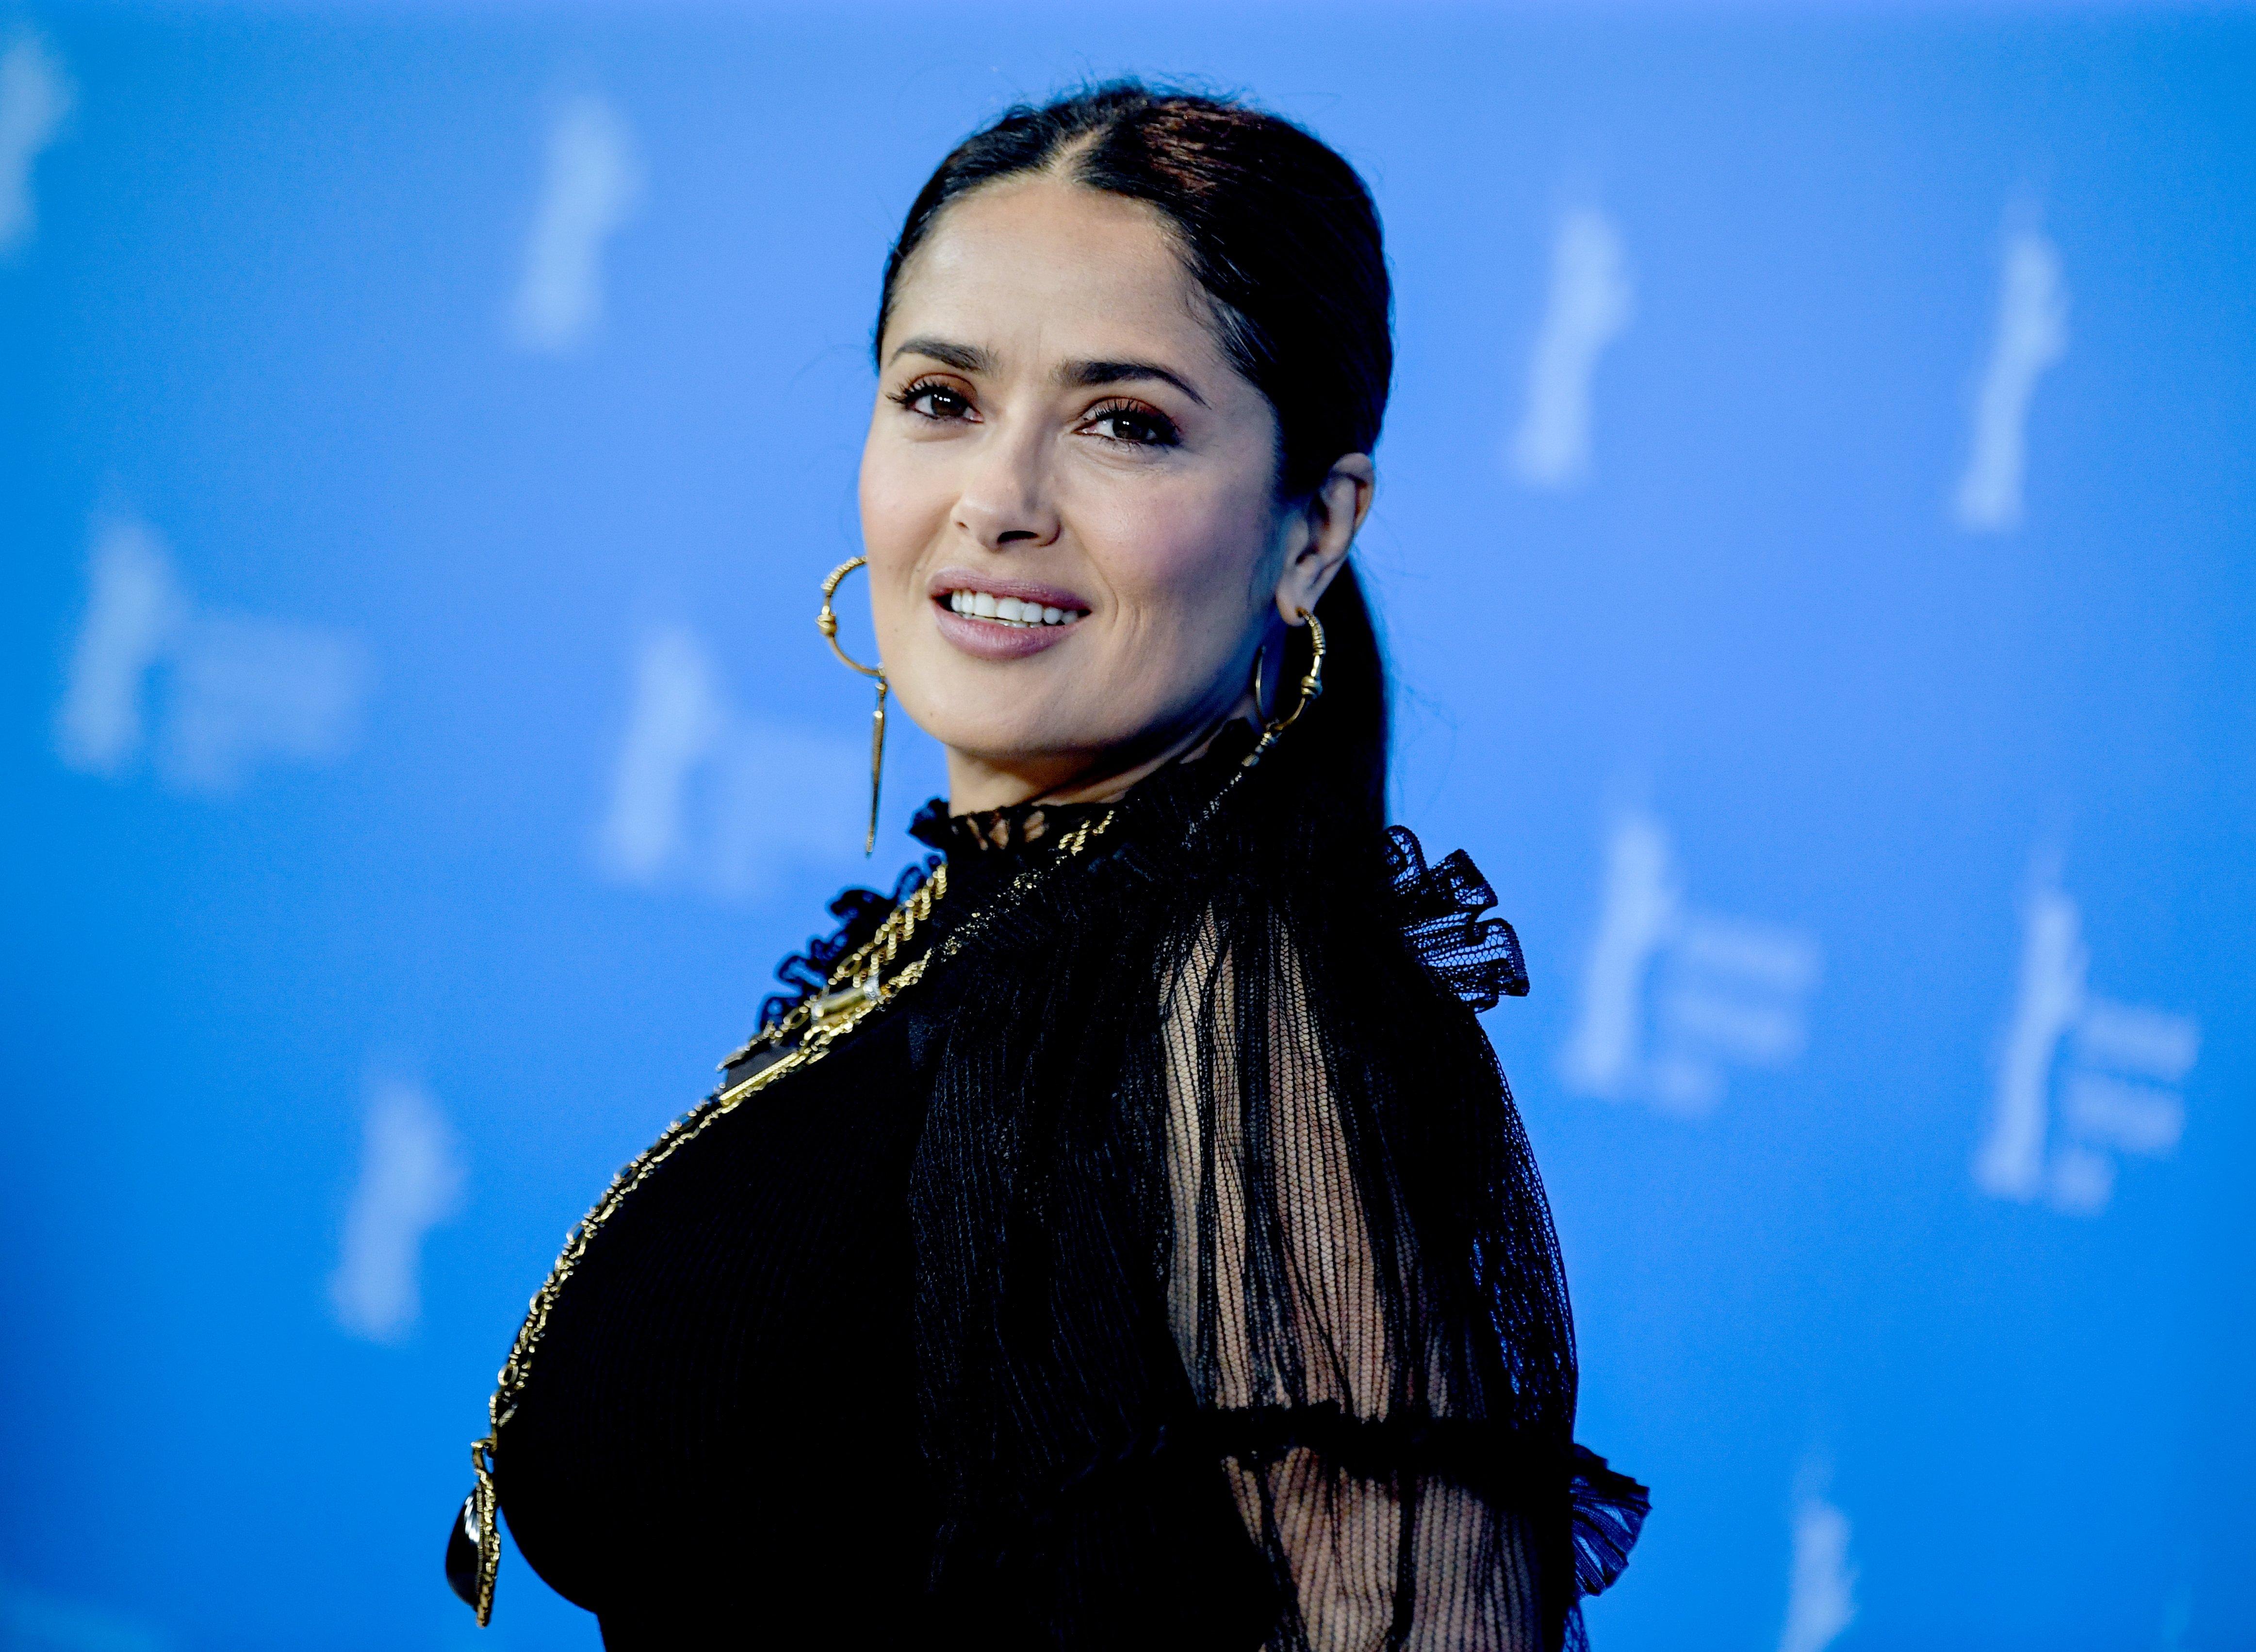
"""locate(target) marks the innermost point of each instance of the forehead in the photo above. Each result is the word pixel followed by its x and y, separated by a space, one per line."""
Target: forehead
pixel 1044 265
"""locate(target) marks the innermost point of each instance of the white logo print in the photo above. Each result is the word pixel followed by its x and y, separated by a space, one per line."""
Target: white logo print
pixel 35 96
pixel 243 689
pixel 1821 1599
pixel 1591 301
pixel 1670 994
pixel 2055 1124
pixel 410 1181
pixel 590 189
pixel 2032 336
pixel 706 794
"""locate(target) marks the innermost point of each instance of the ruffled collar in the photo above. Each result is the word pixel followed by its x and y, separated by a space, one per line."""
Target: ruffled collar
pixel 1026 825
pixel 1022 825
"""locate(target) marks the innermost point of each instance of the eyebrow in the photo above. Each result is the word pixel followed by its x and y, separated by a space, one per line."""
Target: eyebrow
pixel 965 358
pixel 1092 374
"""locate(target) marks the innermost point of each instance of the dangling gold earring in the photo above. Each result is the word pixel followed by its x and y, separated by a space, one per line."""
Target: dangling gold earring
pixel 826 622
pixel 1311 686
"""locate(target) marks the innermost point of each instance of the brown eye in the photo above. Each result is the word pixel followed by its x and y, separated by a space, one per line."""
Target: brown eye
pixel 929 399
pixel 1138 426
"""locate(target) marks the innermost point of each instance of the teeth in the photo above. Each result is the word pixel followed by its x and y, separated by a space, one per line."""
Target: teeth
pixel 1009 610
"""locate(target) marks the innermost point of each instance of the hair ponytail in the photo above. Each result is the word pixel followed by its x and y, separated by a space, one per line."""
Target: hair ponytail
pixel 1343 738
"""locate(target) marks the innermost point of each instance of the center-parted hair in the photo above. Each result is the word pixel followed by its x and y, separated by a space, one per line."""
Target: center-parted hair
pixel 1281 234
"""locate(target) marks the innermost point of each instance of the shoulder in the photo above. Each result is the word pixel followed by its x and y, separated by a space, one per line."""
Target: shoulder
pixel 1443 909
pixel 1374 914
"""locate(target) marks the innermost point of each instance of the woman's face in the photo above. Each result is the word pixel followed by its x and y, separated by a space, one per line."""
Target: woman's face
pixel 1068 497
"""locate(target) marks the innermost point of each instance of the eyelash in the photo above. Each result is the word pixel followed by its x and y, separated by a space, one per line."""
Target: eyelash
pixel 1164 434
pixel 910 394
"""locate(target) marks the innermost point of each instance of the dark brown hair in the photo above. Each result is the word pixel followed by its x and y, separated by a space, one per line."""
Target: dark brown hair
pixel 1282 235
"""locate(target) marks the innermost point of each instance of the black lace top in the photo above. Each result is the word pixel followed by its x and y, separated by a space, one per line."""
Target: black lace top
pixel 1167 1268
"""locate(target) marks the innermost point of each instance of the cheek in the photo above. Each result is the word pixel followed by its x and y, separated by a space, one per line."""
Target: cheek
pixel 899 506
pixel 1188 556
pixel 894 500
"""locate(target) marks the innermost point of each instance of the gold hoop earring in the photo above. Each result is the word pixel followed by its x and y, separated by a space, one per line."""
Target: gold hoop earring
pixel 826 622
pixel 1312 686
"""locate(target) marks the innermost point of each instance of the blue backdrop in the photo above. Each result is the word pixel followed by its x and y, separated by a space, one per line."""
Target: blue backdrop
pixel 1815 538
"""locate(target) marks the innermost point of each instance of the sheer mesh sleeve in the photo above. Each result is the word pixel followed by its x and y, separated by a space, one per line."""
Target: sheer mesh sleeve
pixel 1239 1318
pixel 1318 1336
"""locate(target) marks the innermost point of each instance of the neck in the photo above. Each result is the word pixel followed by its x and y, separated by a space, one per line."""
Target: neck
pixel 976 784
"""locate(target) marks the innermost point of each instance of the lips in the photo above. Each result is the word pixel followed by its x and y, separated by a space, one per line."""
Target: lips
pixel 1003 619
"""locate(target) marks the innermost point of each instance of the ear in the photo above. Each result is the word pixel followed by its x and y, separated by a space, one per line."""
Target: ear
pixel 1320 532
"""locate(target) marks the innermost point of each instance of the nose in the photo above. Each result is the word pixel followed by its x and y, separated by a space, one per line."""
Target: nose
pixel 1006 501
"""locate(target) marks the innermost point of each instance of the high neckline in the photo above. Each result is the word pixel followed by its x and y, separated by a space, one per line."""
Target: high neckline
pixel 1020 827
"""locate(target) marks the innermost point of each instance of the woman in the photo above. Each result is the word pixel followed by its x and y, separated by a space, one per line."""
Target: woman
pixel 1122 1237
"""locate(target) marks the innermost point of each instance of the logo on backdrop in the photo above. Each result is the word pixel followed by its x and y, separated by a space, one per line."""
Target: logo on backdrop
pixel 35 97
pixel 1821 1597
pixel 2032 336
pixel 1673 996
pixel 1591 301
pixel 411 1179
pixel 705 794
pixel 239 691
pixel 2081 1079
pixel 588 192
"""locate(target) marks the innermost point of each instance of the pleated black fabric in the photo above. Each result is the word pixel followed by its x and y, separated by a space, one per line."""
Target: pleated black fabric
pixel 1168 1267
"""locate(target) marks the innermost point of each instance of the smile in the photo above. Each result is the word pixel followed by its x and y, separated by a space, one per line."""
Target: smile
pixel 1009 610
